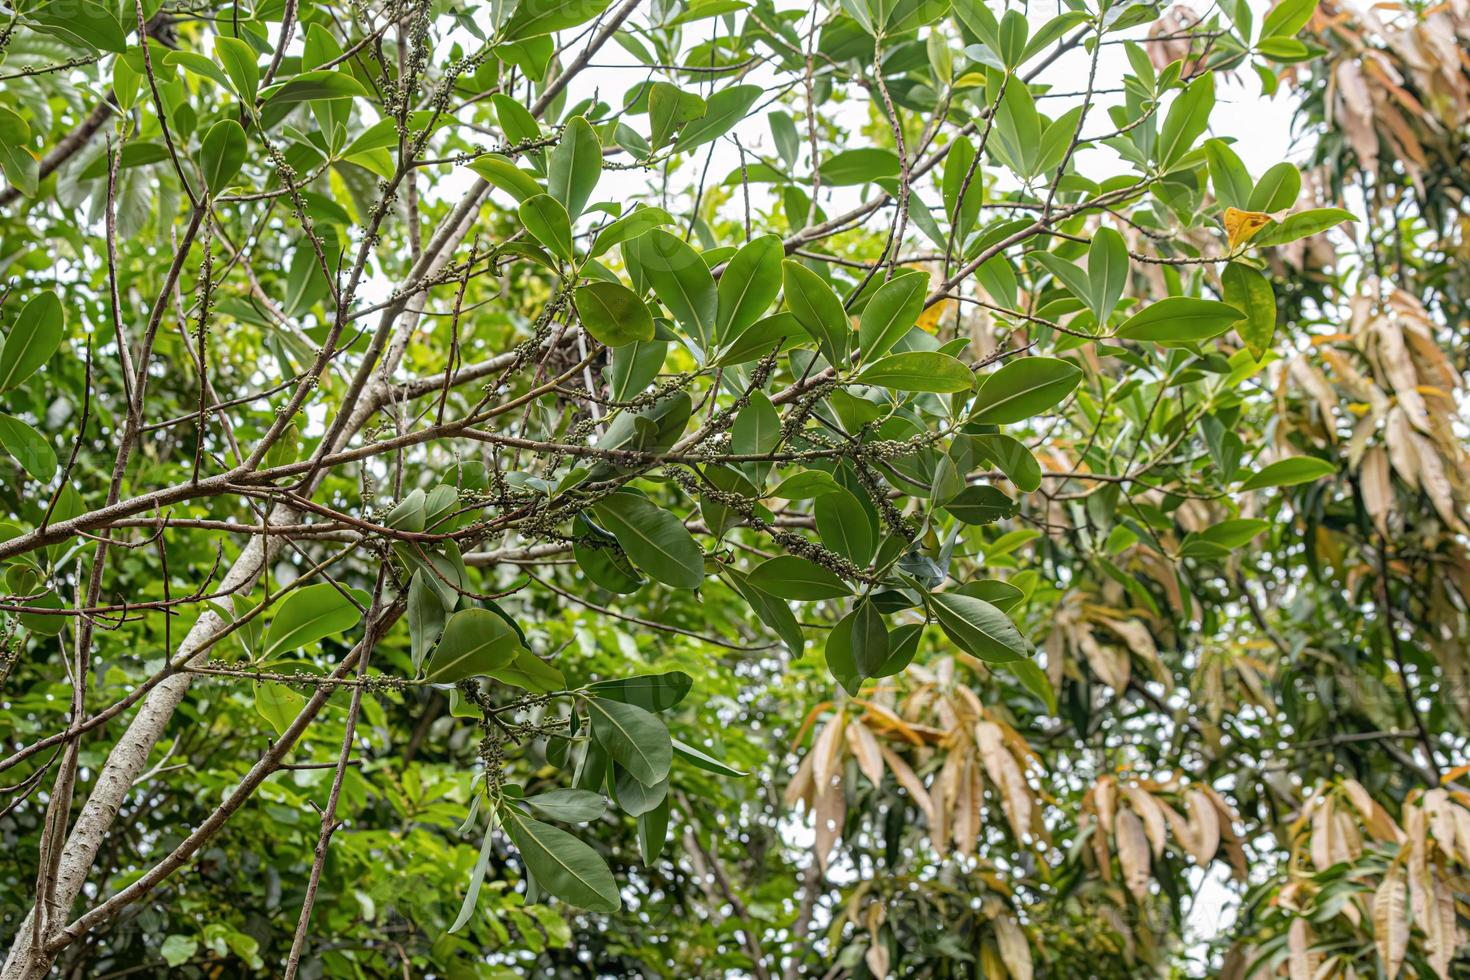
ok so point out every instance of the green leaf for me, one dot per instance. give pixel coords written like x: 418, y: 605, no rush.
x: 568, y: 805
x: 723, y: 110
x: 177, y: 950
x: 548, y: 222
x: 82, y: 24
x: 1179, y: 320
x: 918, y: 371
x: 530, y: 673
x: 573, y: 167
x: 1023, y: 388
x: 869, y: 639
x: 317, y: 86
x: 1034, y: 679
x: 790, y: 577
x: 475, y: 643
x: 221, y: 154
x: 1250, y: 292
x: 978, y: 628
x: 1300, y: 225
x: 651, y: 692
x: 1277, y: 189
x: 426, y: 617
x: 548, y: 16
x: 859, y: 166
x: 843, y: 526
x: 1009, y: 455
x: 1289, y: 472
x: 653, y: 538
x: 748, y: 287
x: 277, y: 704
x: 16, y: 159
x: 31, y: 342
x: 773, y: 612
x: 891, y: 313
x: 818, y: 310
x: 238, y: 59
x: 613, y: 314
x: 307, y: 615
x: 1186, y: 120
x: 701, y: 760
x: 681, y: 281
x: 806, y: 485
x: 1219, y: 540
x: 669, y: 108
x: 1107, y: 272
x: 563, y: 865
x: 500, y: 172
x: 27, y: 447
x: 629, y: 226
x: 1287, y: 17
x: 1232, y: 182
x: 633, y: 738
x: 980, y: 504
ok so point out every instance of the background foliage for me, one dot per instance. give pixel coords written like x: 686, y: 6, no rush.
x: 722, y: 488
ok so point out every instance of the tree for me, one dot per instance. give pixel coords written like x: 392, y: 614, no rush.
x: 722, y: 489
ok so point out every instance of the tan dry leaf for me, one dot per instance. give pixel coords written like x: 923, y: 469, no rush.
x: 1390, y: 923
x: 1376, y: 486
x: 1436, y: 482
x: 1152, y: 815
x: 909, y: 781
x: 1204, y: 825
x: 1015, y: 949
x: 830, y: 808
x: 827, y: 751
x: 1133, y: 846
x: 1301, y: 961
x: 1399, y: 437
x: 864, y: 748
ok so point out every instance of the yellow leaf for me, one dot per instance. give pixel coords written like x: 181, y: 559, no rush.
x: 1242, y: 226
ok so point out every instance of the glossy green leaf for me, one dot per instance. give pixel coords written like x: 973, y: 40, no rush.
x: 563, y: 865
x: 1023, y: 388
x: 574, y: 166
x: 307, y: 615
x: 790, y: 577
x: 1180, y: 320
x: 634, y: 738
x: 749, y: 286
x: 818, y: 310
x: 978, y: 628
x: 32, y: 340
x: 475, y: 643
x: 918, y: 371
x: 1250, y: 292
x: 547, y: 220
x: 613, y: 314
x: 1289, y: 472
x: 654, y: 539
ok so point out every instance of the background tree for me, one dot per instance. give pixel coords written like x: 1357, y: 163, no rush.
x: 701, y: 489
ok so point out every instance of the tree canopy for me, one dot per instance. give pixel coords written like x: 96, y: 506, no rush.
x: 719, y: 488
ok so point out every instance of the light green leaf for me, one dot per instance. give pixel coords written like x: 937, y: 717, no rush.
x: 1300, y: 225
x: 221, y: 154
x: 748, y: 287
x: 818, y: 310
x: 681, y: 281
x: 27, y: 447
x: 1250, y: 292
x: 548, y: 222
x: 891, y: 313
